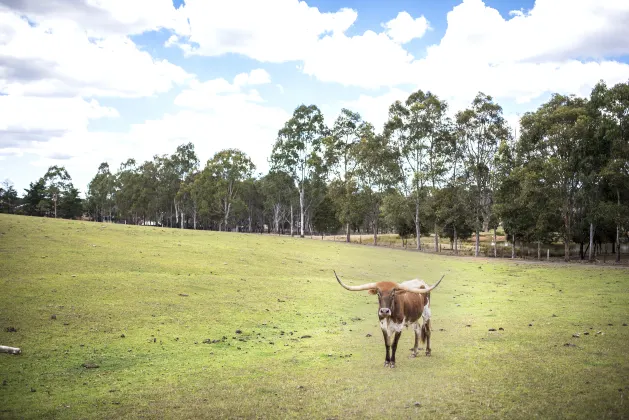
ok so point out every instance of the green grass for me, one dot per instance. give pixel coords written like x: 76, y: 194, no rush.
x: 103, y: 280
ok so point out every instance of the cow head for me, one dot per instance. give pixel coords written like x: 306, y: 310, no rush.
x: 387, y: 292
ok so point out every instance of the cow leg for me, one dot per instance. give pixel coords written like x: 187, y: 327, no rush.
x: 395, y: 340
x: 387, y: 360
x: 416, y: 329
x: 426, y: 335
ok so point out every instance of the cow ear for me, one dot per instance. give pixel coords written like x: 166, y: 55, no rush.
x: 373, y: 291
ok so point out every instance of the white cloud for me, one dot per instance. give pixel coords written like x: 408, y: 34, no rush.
x: 57, y: 58
x: 219, y: 93
x: 35, y: 125
x: 104, y: 17
x: 554, y: 30
x: 555, y: 47
x: 370, y: 61
x: 374, y: 109
x: 277, y: 31
x: 214, y: 115
x: 254, y: 77
x: 404, y: 28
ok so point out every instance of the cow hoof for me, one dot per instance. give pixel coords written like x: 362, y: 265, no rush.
x: 392, y: 365
x: 414, y: 354
x: 428, y: 353
x: 386, y: 364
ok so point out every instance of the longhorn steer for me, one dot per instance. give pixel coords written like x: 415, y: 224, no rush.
x: 400, y: 305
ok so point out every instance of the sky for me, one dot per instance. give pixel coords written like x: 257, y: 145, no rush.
x: 89, y: 81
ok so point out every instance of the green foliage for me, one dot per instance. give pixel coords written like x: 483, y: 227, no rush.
x: 565, y: 178
x: 325, y: 218
x: 9, y: 199
x: 298, y: 151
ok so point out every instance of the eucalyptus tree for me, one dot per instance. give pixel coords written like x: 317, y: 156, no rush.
x: 278, y: 190
x: 101, y: 192
x: 298, y: 150
x: 341, y: 160
x: 8, y: 197
x: 510, y: 204
x: 127, y: 182
x: 482, y: 126
x: 613, y: 106
x: 554, y: 137
x: 229, y: 168
x: 438, y: 132
x: 378, y: 171
x: 253, y: 203
x: 416, y: 128
x: 57, y: 181
x: 185, y: 163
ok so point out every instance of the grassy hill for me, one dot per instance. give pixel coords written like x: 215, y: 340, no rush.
x: 188, y: 324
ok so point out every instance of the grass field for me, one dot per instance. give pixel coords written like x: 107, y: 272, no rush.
x: 157, y: 310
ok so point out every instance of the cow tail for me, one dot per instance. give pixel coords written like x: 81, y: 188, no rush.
x: 425, y: 331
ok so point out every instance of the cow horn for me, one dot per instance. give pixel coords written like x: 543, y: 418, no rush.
x: 420, y: 291
x: 366, y: 286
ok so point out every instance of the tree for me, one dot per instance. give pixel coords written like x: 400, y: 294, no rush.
x: 35, y: 203
x: 341, y: 159
x: 57, y: 181
x: 229, y: 168
x: 482, y: 127
x: 297, y: 150
x: 612, y: 105
x: 378, y: 171
x: 8, y: 197
x: 417, y: 127
x: 71, y: 204
x: 100, y: 192
x: 553, y: 137
x: 278, y: 189
x: 324, y: 219
x: 398, y: 214
x: 185, y: 163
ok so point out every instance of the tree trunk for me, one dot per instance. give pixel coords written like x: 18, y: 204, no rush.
x: 375, y: 232
x: 194, y: 218
x: 347, y: 232
x: 495, y: 244
x: 292, y: 218
x: 477, y: 245
x: 436, y: 239
x: 566, y: 238
x: 513, y: 247
x: 456, y: 247
x: 227, y: 210
x: 301, y: 205
x: 617, y: 243
x: 590, y: 256
x: 539, y: 250
x: 417, y: 227
x: 618, y: 232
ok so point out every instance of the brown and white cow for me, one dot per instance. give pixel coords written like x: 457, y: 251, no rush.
x: 400, y: 305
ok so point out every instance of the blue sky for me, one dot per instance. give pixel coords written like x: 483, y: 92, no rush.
x: 80, y: 85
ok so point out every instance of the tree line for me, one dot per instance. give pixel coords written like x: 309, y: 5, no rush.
x: 565, y: 178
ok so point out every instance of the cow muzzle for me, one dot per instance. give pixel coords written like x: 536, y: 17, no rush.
x: 384, y: 312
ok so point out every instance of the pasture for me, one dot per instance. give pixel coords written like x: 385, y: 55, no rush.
x: 141, y: 322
